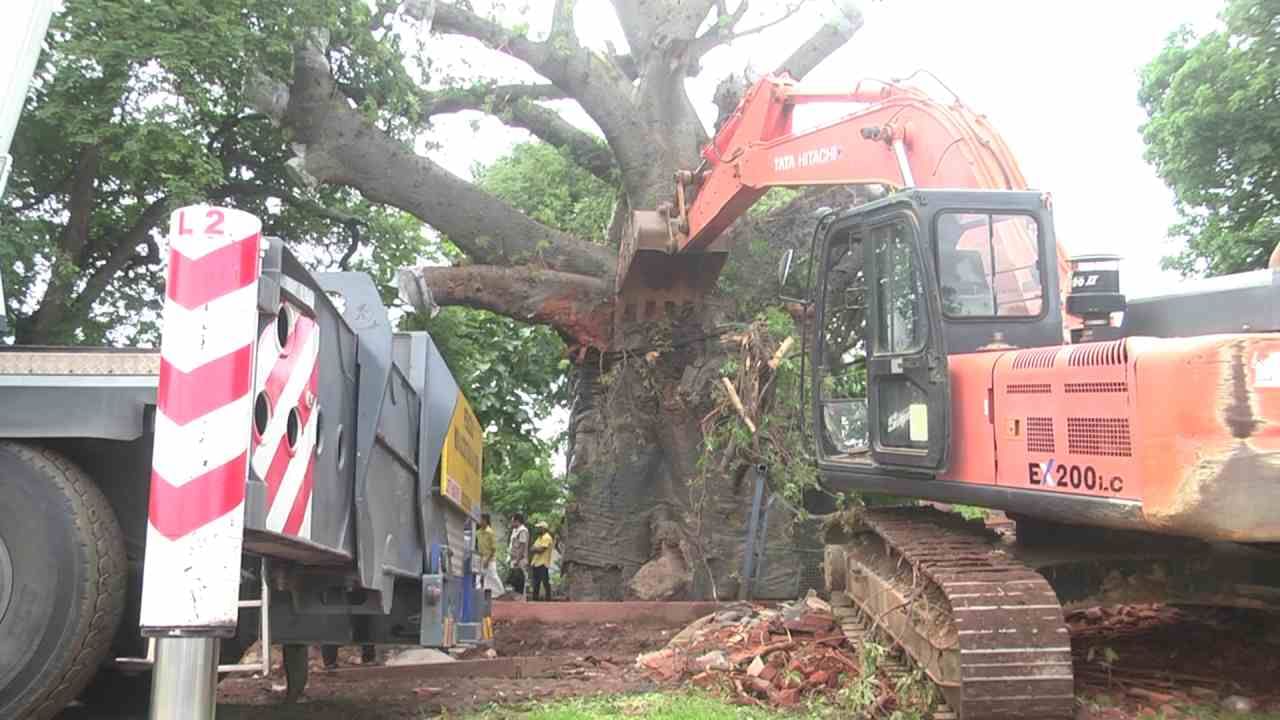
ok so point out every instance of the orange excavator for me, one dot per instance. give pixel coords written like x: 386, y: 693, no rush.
x: 959, y: 357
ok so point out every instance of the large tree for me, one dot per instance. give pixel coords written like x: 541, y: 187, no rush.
x: 137, y: 108
x: 1213, y: 134
x: 351, y: 104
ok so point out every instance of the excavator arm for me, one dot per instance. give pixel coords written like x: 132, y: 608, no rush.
x: 898, y: 137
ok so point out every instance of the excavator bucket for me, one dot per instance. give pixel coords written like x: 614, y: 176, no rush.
x: 654, y: 280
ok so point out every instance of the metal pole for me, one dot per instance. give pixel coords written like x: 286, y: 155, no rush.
x: 900, y: 151
x: 185, y: 679
x: 760, y: 548
x: 749, y: 547
x: 264, y: 619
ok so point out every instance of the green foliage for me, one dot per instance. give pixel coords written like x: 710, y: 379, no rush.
x: 782, y: 438
x: 1213, y: 134
x: 774, y: 199
x: 141, y: 105
x: 970, y: 512
x: 787, y: 426
x: 656, y: 706
x: 547, y: 186
x: 516, y: 374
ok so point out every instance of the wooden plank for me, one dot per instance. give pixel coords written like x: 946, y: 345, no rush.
x: 651, y: 613
x: 502, y: 667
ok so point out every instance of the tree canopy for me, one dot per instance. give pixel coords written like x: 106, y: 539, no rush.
x: 1213, y: 134
x: 137, y: 108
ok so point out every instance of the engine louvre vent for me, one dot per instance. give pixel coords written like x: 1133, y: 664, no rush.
x: 1105, y: 353
x: 1107, y: 437
x: 1040, y: 434
x: 1038, y: 359
x: 1028, y: 389
x: 1096, y: 387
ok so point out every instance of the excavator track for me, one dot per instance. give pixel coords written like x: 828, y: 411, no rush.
x: 987, y: 630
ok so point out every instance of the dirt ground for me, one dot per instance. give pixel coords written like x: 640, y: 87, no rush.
x: 1127, y: 658
x: 1129, y: 661
x: 603, y: 659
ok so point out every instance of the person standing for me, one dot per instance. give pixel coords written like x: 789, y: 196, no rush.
x: 517, y: 554
x: 487, y: 549
x: 540, y: 559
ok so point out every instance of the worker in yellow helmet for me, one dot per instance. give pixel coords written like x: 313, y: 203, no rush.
x: 540, y: 559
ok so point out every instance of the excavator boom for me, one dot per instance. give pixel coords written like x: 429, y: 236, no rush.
x: 896, y: 137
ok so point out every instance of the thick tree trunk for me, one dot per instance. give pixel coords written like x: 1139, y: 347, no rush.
x: 655, y: 513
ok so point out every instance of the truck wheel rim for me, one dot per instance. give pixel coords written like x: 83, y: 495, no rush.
x: 6, y: 578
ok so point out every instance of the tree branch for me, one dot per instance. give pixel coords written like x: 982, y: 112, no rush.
x: 74, y: 242
x: 513, y: 104
x: 245, y: 187
x: 829, y: 38
x: 480, y: 97
x: 721, y: 31
x: 603, y: 91
x: 577, y: 306
x: 562, y: 19
x: 648, y: 25
x: 339, y: 145
x: 123, y: 249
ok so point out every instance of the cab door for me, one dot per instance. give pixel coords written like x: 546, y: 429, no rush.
x: 908, y: 391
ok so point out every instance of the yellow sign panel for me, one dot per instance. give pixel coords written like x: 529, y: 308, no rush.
x: 460, y: 462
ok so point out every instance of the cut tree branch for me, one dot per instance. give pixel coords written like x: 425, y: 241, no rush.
x: 337, y: 144
x: 828, y: 38
x: 577, y: 306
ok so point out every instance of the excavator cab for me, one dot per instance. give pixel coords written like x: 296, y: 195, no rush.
x: 902, y: 282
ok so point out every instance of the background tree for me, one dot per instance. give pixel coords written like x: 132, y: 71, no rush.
x: 1213, y: 134
x: 515, y: 374
x: 137, y: 108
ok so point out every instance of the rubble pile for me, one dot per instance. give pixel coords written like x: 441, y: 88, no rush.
x: 762, y: 655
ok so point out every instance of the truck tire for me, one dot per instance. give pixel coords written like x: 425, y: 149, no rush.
x: 62, y: 580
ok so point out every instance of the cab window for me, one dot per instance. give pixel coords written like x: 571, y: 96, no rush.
x: 989, y: 265
x: 843, y: 372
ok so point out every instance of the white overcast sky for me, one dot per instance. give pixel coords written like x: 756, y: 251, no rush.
x: 1058, y: 79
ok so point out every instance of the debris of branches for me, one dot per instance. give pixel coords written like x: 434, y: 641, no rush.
x: 764, y: 656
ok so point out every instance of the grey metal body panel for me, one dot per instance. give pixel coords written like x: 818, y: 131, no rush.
x: 70, y: 392
x: 443, y: 523
x: 1244, y: 302
x: 406, y: 397
x: 332, y: 538
x: 364, y: 314
x: 108, y: 410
